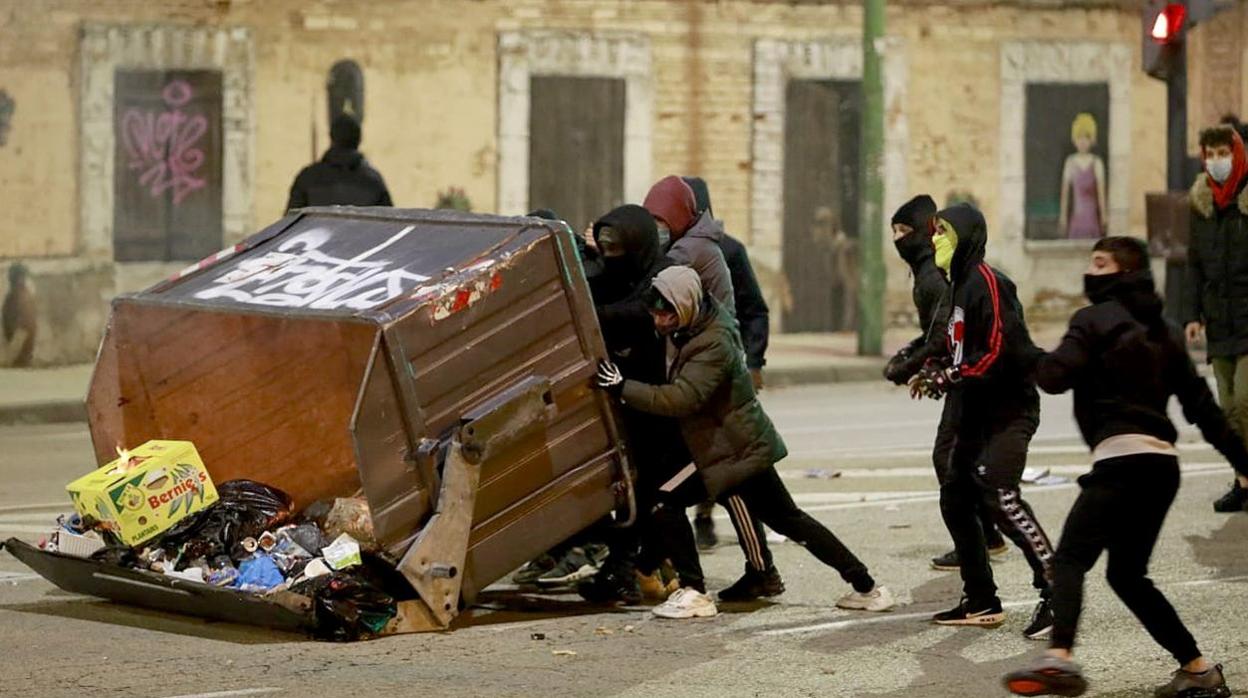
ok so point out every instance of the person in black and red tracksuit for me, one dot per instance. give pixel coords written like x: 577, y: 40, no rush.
x: 987, y: 377
x: 1124, y: 362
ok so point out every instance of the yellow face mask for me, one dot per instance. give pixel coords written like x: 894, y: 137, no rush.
x: 944, y: 241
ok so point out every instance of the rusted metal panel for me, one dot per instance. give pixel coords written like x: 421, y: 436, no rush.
x: 340, y: 350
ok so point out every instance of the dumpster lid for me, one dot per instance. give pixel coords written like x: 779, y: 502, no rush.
x: 343, y: 260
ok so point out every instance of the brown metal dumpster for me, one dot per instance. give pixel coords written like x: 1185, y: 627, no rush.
x: 437, y: 362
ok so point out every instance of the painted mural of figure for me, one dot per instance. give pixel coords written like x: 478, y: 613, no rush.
x: 7, y: 107
x: 18, y: 319
x: 1083, y: 211
x: 845, y: 276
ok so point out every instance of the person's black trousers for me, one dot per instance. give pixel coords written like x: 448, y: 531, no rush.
x: 769, y: 501
x: 942, y: 449
x: 1120, y: 509
x: 985, y: 468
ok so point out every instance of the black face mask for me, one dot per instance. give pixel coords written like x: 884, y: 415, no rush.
x: 1100, y: 287
x: 619, y: 267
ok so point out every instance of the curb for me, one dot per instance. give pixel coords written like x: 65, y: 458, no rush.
x: 49, y: 412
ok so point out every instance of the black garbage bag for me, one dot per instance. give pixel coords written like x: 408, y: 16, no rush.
x: 245, y: 509
x: 119, y: 555
x: 347, y: 607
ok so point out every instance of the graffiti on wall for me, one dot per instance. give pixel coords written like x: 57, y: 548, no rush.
x: 7, y: 107
x: 163, y: 146
x: 299, y: 275
x: 18, y: 319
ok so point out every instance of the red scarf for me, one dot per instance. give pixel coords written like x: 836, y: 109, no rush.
x: 1224, y: 193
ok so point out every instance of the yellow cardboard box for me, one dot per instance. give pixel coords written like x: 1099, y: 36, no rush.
x: 145, y: 491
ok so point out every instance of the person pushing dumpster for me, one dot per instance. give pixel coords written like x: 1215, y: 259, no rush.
x: 733, y: 442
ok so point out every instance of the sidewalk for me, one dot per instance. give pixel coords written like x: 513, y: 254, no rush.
x: 51, y: 395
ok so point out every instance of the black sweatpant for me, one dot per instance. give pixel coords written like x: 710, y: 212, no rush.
x: 1120, y: 509
x: 942, y: 449
x: 750, y: 534
x: 985, y: 468
x: 769, y: 501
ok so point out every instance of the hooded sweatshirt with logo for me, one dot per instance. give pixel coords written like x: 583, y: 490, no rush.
x: 695, y: 237
x: 986, y: 334
x: 1216, y: 290
x: 342, y: 178
x: 1124, y: 361
x: 709, y: 390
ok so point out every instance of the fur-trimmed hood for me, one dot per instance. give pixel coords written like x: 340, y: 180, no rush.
x: 1201, y: 195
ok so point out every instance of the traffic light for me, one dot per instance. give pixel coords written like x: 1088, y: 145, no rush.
x: 1165, y: 27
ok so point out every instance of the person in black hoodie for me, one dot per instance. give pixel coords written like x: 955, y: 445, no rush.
x: 986, y: 379
x: 1124, y: 362
x: 912, y: 238
x: 342, y: 177
x: 628, y: 242
x: 761, y: 579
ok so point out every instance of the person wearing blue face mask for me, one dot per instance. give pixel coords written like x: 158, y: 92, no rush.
x: 1124, y: 361
x: 1216, y: 290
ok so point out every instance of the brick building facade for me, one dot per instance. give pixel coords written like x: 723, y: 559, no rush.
x: 706, y: 86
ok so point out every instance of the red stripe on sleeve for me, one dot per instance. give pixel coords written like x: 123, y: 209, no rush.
x: 994, y: 338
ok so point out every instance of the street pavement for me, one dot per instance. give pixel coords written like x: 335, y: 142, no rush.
x: 859, y: 462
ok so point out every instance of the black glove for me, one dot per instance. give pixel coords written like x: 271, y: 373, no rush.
x: 609, y: 378
x: 898, y: 371
x: 934, y: 380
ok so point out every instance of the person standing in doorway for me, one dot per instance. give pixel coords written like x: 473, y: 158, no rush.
x: 1217, y: 280
x: 343, y: 177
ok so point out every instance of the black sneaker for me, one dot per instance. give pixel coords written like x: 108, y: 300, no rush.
x: 984, y: 615
x: 1184, y: 684
x: 573, y: 567
x: 612, y: 585
x: 1048, y: 676
x: 947, y: 562
x: 753, y: 585
x: 1041, y: 625
x: 704, y: 531
x: 1234, y: 500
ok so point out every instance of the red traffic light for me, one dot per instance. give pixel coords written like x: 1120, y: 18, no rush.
x: 1169, y: 23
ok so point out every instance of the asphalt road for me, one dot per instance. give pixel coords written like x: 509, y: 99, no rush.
x: 859, y: 463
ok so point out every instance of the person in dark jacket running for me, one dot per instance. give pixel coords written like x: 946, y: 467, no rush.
x: 342, y: 177
x: 761, y: 579
x: 733, y: 442
x: 1124, y: 362
x: 1217, y: 279
x: 986, y: 377
x: 912, y: 238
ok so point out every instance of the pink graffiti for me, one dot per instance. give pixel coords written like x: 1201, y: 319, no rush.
x: 161, y: 145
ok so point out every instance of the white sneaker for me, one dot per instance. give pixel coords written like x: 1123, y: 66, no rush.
x: 877, y: 600
x: 686, y: 603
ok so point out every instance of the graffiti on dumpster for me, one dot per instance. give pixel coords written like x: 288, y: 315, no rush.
x: 163, y: 146
x: 299, y: 275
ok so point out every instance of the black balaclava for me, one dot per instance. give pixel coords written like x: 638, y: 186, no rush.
x: 344, y: 132
x: 701, y: 195
x: 639, y: 237
x: 917, y: 213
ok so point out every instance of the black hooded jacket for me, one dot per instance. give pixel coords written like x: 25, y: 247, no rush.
x: 618, y: 294
x: 930, y: 289
x: 341, y: 178
x: 986, y: 335
x: 752, y: 313
x: 1124, y: 361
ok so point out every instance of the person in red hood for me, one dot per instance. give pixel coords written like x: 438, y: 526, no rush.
x: 1216, y: 290
x: 695, y: 237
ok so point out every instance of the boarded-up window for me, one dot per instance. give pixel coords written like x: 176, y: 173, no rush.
x: 167, y: 171
x: 576, y: 146
x: 821, y: 168
x: 1055, y: 112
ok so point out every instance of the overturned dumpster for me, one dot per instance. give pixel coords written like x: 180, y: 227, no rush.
x: 435, y: 363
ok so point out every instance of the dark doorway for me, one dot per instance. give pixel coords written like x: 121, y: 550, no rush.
x: 167, y: 165
x: 821, y: 166
x: 576, y: 146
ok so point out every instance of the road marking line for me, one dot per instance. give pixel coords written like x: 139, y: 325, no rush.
x: 927, y: 471
x: 920, y: 450
x: 892, y: 618
x: 239, y: 692
x: 18, y: 578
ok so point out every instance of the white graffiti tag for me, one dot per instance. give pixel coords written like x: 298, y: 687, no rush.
x: 299, y: 275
